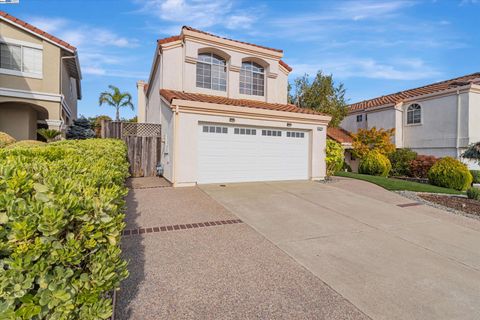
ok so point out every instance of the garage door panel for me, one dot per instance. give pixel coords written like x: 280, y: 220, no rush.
x: 230, y: 157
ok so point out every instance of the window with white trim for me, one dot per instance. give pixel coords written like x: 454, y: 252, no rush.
x: 214, y: 129
x: 252, y: 79
x: 211, y: 72
x: 414, y: 114
x: 19, y: 59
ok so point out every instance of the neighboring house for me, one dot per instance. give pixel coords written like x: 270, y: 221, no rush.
x: 344, y: 137
x: 223, y: 108
x: 39, y: 79
x: 440, y: 119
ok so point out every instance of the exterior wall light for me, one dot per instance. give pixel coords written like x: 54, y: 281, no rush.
x: 319, y: 128
x: 231, y: 119
x: 289, y: 124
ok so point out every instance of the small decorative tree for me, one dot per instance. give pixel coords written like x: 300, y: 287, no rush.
x: 81, y: 129
x: 473, y: 152
x: 366, y: 140
x: 334, y: 157
x: 49, y: 134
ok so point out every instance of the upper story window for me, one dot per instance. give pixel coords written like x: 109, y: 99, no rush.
x: 20, y: 59
x: 359, y: 118
x: 414, y: 114
x: 211, y: 72
x: 252, y: 79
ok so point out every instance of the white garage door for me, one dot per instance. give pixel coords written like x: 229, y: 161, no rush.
x: 241, y: 154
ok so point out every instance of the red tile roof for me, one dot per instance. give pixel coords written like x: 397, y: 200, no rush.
x: 169, y: 39
x: 339, y: 134
x: 198, y: 97
x: 213, y: 35
x: 37, y: 31
x: 395, y: 98
x: 286, y: 66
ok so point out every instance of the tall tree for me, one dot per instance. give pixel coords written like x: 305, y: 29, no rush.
x: 322, y: 94
x: 116, y: 99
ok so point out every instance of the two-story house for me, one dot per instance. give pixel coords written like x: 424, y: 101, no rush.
x: 439, y: 119
x: 223, y: 108
x: 39, y: 79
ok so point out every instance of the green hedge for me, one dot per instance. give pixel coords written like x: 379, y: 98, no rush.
x: 375, y: 164
x: 473, y: 193
x: 61, y: 217
x: 450, y: 173
x: 476, y: 175
x: 401, y: 160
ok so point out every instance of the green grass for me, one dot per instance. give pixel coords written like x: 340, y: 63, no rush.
x: 397, y: 184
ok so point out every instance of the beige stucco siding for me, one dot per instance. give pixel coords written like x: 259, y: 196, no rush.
x: 51, y: 68
x: 474, y: 117
x: 19, y: 121
x: 69, y: 90
x: 167, y: 121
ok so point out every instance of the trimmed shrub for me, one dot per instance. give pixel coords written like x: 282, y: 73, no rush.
x: 26, y: 144
x: 6, y: 139
x: 61, y: 216
x: 475, y: 175
x: 334, y: 157
x: 421, y: 165
x: 473, y: 193
x: 81, y: 129
x: 375, y: 164
x: 400, y: 160
x: 450, y: 173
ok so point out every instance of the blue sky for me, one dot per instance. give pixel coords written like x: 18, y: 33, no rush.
x: 373, y: 47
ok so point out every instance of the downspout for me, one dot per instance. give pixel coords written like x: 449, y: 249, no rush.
x: 174, y: 149
x: 457, y: 142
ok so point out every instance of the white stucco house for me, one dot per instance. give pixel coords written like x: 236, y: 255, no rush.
x: 223, y: 108
x: 439, y: 119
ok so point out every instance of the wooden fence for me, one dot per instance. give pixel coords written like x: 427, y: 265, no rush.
x: 143, y: 141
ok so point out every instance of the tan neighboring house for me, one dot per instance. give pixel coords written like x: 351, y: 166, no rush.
x: 223, y: 108
x: 39, y: 79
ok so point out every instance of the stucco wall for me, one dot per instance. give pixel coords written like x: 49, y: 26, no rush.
x: 69, y: 90
x: 167, y: 121
x: 152, y: 112
x: 474, y: 117
x: 51, y: 67
x: 186, y: 144
x: 179, y: 71
x: 19, y: 121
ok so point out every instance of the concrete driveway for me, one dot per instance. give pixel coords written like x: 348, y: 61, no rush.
x: 393, y: 259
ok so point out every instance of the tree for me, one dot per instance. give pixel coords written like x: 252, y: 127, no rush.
x: 334, y: 157
x: 116, y: 99
x: 321, y: 94
x: 366, y: 140
x: 473, y: 152
x: 49, y: 134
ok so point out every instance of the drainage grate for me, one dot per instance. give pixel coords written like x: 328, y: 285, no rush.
x: 176, y: 227
x: 413, y: 204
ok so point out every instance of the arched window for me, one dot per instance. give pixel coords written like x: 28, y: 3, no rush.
x: 211, y: 72
x: 252, y: 79
x: 414, y: 114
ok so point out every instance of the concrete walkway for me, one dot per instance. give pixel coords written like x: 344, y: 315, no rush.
x: 211, y: 266
x: 392, y: 262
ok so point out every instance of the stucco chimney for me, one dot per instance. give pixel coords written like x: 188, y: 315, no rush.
x: 141, y: 101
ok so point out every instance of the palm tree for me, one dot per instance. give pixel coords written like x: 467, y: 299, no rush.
x: 49, y: 134
x: 116, y: 99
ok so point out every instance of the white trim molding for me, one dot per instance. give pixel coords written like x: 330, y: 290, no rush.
x: 34, y: 95
x: 21, y: 73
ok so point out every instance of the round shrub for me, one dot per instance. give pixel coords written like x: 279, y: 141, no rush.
x: 26, y: 144
x: 420, y: 166
x: 334, y: 157
x: 375, y: 164
x: 473, y: 193
x: 6, y: 139
x: 450, y: 173
x: 476, y: 175
x: 400, y: 160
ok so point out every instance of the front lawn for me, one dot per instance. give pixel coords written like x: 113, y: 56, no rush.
x: 397, y: 184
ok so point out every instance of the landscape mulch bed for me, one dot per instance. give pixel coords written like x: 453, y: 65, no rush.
x: 458, y: 203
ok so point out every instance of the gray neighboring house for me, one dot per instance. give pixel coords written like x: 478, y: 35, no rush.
x: 439, y: 119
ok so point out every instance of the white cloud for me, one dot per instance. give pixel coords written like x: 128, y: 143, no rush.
x: 396, y: 69
x: 197, y: 13
x: 96, y: 45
